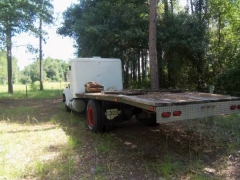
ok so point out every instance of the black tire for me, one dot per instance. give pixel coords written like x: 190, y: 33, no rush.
x: 94, y: 116
x: 151, y: 121
x: 67, y: 108
x: 64, y: 101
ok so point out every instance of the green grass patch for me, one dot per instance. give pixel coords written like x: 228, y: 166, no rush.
x: 224, y: 130
x: 20, y: 157
x: 165, y: 168
x: 106, y: 143
x: 40, y: 151
x: 39, y: 140
x: 51, y: 90
x: 18, y: 114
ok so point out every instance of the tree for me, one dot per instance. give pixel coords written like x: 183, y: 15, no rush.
x: 224, y: 44
x: 191, y: 46
x: 45, y: 16
x: 15, y: 17
x: 99, y: 29
x: 54, y: 70
x: 3, y: 69
x: 152, y: 45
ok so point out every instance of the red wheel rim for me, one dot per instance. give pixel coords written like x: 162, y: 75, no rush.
x: 90, y: 116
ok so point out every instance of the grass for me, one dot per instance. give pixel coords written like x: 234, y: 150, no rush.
x: 20, y: 156
x: 53, y: 144
x: 29, y: 150
x: 105, y: 144
x: 165, y: 168
x: 14, y: 114
x: 51, y: 90
x: 30, y: 147
x: 220, y: 129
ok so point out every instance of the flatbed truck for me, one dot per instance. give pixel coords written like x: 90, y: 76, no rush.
x: 108, y: 103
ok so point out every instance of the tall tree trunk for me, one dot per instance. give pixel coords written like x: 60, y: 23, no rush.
x: 219, y: 29
x: 200, y: 64
x: 126, y: 77
x: 191, y: 4
x: 134, y: 69
x: 40, y: 54
x: 143, y: 64
x: 219, y: 40
x: 139, y: 65
x: 9, y: 60
x: 165, y: 6
x: 131, y: 74
x: 200, y: 9
x: 171, y: 2
x: 125, y: 69
x: 146, y: 61
x: 153, y: 45
x: 160, y: 68
x: 170, y: 69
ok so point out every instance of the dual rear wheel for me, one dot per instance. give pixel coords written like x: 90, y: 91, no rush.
x: 94, y: 116
x: 96, y: 121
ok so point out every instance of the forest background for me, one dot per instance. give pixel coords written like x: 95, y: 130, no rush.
x: 198, y: 45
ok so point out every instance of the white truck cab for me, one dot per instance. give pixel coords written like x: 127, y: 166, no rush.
x: 105, y: 71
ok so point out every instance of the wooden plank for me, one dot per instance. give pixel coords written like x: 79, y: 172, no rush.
x: 125, y: 92
x: 209, y: 97
x: 159, y: 99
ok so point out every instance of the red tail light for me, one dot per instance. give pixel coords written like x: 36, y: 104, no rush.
x: 166, y: 114
x: 177, y: 113
x: 233, y: 107
x: 151, y: 108
x: 238, y: 106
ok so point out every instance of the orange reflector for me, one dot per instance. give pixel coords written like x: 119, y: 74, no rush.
x: 233, y: 107
x: 166, y: 114
x: 151, y: 108
x: 238, y: 106
x: 116, y: 100
x: 177, y: 113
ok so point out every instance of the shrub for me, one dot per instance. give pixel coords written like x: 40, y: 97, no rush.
x: 35, y: 86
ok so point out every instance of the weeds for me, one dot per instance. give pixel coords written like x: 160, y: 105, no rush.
x: 99, y: 169
x: 20, y: 157
x: 199, y: 177
x: 109, y: 167
x: 54, y: 144
x: 74, y: 142
x: 51, y: 90
x: 165, y: 168
x: 106, y: 144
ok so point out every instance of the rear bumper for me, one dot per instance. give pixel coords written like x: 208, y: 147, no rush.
x: 196, y: 111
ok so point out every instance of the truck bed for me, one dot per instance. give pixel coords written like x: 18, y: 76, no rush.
x: 144, y: 99
x: 172, y: 106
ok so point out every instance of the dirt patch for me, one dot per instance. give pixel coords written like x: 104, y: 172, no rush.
x: 131, y: 150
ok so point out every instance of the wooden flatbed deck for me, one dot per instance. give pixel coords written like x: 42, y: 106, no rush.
x: 144, y: 99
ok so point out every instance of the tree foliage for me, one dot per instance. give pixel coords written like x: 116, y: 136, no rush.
x: 45, y: 17
x: 3, y: 69
x: 17, y: 16
x: 53, y: 70
x: 196, y: 46
x: 110, y: 29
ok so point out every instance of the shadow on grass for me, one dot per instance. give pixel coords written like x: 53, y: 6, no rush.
x: 172, y: 150
x: 181, y: 150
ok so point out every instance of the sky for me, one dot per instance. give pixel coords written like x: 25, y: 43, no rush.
x: 57, y: 47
